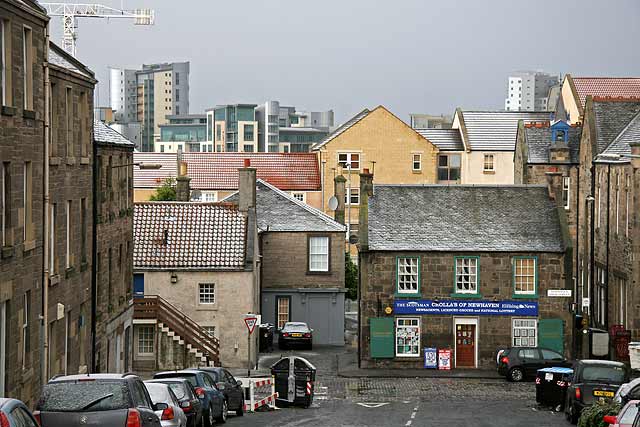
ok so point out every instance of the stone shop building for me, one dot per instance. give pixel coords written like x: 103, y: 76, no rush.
x: 471, y: 269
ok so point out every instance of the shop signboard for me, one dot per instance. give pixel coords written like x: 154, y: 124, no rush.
x: 431, y: 358
x: 444, y: 359
x: 466, y: 307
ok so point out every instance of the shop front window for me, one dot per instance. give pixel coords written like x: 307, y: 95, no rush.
x: 525, y: 333
x: 408, y: 337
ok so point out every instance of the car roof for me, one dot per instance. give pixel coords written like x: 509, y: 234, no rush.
x: 86, y: 377
x: 296, y: 324
x: 182, y: 371
x: 9, y: 403
x: 169, y: 380
x: 601, y: 362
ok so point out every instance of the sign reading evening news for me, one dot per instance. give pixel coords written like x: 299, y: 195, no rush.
x: 464, y: 307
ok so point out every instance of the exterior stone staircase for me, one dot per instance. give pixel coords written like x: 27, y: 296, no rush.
x: 183, y: 343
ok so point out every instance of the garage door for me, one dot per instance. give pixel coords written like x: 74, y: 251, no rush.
x: 319, y: 319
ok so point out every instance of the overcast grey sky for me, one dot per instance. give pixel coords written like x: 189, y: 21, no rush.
x: 409, y: 55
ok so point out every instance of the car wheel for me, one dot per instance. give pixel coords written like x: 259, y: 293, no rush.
x: 225, y: 411
x: 571, y: 413
x: 515, y: 375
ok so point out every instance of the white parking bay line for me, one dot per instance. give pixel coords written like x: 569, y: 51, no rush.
x: 413, y: 416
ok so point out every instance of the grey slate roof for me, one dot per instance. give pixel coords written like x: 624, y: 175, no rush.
x: 342, y: 128
x: 612, y: 118
x: 496, y: 130
x: 199, y: 236
x: 620, y: 145
x: 539, y: 144
x: 444, y: 139
x: 462, y: 218
x: 60, y: 58
x: 278, y: 211
x: 104, y: 134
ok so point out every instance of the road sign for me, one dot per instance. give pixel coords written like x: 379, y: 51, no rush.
x: 251, y: 323
x: 585, y: 302
x: 559, y: 292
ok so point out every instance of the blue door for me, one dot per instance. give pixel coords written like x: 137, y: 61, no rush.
x: 138, y: 285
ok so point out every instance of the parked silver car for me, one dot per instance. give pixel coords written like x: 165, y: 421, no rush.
x: 167, y: 405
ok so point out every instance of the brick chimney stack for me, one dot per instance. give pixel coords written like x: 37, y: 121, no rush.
x: 340, y: 193
x: 183, y: 182
x: 246, y: 187
x: 366, y: 191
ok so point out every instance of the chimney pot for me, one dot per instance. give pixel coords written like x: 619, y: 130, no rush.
x: 247, y: 163
x: 365, y: 170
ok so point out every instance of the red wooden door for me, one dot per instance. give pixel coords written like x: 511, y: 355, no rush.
x: 465, y: 346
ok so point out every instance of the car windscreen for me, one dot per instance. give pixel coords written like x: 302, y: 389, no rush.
x: 84, y: 396
x: 296, y: 327
x: 629, y: 415
x: 189, y: 377
x: 179, y: 389
x: 158, y: 393
x: 604, y: 374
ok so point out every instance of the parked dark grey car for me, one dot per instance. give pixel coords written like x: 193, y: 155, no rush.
x: 109, y: 400
x: 230, y: 387
x: 189, y: 402
x: 14, y: 413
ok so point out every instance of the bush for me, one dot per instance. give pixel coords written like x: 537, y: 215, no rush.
x: 592, y: 415
x: 166, y: 192
x: 350, y: 277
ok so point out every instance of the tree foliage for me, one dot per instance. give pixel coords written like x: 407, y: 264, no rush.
x: 350, y: 277
x: 592, y: 416
x: 166, y: 192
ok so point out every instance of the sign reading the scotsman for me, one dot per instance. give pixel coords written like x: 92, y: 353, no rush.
x: 479, y: 308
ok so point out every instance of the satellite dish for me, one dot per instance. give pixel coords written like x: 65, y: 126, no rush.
x: 353, y: 239
x: 333, y: 203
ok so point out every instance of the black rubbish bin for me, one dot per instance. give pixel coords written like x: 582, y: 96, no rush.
x: 551, y: 386
x: 295, y: 379
x: 266, y: 337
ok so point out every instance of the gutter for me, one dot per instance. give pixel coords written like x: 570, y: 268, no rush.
x: 44, y: 363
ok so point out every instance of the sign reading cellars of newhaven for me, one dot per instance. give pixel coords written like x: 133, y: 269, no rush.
x: 478, y: 308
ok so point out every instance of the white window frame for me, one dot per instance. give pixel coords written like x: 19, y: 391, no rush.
x: 355, y: 194
x: 68, y: 236
x: 279, y: 311
x: 206, y: 293
x: 408, y: 275
x: 145, y: 340
x: 522, y: 326
x: 3, y: 65
x: 416, y: 158
x: 519, y: 263
x: 25, y: 327
x: 314, y: 251
x: 566, y: 191
x: 413, y: 328
x: 209, y: 196
x: 349, y: 159
x: 489, y: 159
x: 27, y: 80
x: 299, y: 196
x: 472, y: 263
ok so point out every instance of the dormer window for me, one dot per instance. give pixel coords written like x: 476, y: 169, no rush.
x: 560, y: 136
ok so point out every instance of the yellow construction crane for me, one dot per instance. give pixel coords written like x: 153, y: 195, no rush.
x: 70, y: 12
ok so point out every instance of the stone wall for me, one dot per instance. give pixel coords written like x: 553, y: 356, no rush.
x: 114, y: 251
x: 285, y: 258
x: 378, y: 285
x: 22, y: 140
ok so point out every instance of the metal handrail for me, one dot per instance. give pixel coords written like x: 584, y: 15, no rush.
x: 156, y: 307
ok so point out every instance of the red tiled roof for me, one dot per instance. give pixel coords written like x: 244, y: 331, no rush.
x: 171, y: 235
x: 219, y: 171
x: 615, y: 87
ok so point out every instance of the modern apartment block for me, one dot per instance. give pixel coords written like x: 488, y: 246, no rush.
x: 529, y: 90
x: 428, y: 121
x: 141, y: 99
x: 185, y: 132
x: 276, y: 128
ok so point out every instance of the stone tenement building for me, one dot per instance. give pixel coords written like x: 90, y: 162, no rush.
x: 22, y: 26
x: 468, y: 269
x: 609, y: 231
x: 70, y: 220
x: 113, y: 251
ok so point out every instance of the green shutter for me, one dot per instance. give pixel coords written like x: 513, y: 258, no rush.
x: 551, y: 334
x: 382, y: 338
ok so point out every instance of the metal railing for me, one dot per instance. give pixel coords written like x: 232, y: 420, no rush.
x: 157, y: 308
